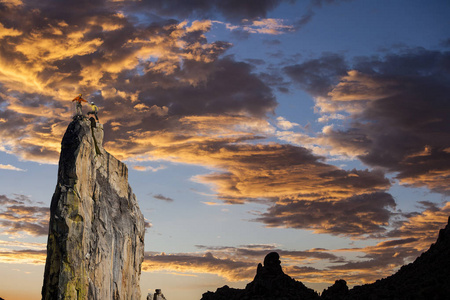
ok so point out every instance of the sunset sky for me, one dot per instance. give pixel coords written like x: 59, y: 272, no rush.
x: 319, y: 129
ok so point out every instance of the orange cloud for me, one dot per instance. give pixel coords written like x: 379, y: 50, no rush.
x: 34, y: 257
x: 18, y: 217
x: 8, y: 31
x: 357, y: 86
x: 192, y: 264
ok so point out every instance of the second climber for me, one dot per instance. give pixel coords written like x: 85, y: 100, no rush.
x: 94, y: 110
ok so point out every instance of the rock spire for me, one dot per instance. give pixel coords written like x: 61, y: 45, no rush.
x: 270, y: 283
x: 96, y: 237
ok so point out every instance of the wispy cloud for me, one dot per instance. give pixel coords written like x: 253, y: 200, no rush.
x: 10, y: 167
x: 195, y: 263
x: 149, y: 168
x: 17, y: 217
x: 163, y: 198
x: 261, y: 26
x: 35, y: 257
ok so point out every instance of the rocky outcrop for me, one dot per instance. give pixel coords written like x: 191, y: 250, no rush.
x: 96, y: 237
x: 269, y: 283
x: 338, y: 291
x: 428, y: 277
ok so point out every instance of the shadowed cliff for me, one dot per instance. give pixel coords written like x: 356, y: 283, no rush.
x: 96, y: 236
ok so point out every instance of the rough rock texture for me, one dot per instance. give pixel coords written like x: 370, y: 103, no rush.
x: 428, y: 277
x: 269, y: 283
x: 96, y: 237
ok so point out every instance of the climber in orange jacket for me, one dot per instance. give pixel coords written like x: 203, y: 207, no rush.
x: 79, y: 100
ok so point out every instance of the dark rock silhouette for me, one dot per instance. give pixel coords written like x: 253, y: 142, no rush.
x: 428, y: 277
x: 338, y: 291
x: 269, y: 283
x: 96, y: 235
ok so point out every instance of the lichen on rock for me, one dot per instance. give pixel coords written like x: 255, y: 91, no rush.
x: 96, y: 237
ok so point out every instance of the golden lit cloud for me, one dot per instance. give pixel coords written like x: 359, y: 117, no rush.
x: 149, y: 168
x: 8, y: 31
x: 34, y: 257
x: 11, y: 3
x: 27, y: 245
x: 195, y: 264
x: 357, y: 86
x: 10, y: 167
x: 18, y: 217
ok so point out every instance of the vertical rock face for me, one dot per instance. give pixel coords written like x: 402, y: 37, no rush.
x: 96, y: 237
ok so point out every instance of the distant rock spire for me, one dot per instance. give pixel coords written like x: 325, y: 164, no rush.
x: 95, y: 244
x: 270, y: 283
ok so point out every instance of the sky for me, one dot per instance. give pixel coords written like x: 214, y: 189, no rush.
x: 319, y: 129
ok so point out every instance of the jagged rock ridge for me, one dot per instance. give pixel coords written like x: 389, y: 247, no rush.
x: 96, y: 237
x: 428, y: 278
x: 270, y: 283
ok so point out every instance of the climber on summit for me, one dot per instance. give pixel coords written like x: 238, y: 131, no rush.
x: 79, y: 99
x: 94, y: 110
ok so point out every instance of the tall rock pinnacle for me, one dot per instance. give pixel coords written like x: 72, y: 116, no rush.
x: 96, y: 237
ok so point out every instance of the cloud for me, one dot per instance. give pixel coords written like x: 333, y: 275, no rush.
x: 161, y: 72
x: 246, y: 171
x: 164, y: 93
x: 354, y: 216
x: 231, y: 9
x: 425, y: 225
x: 358, y: 265
x: 317, y: 76
x: 261, y: 26
x: 27, y: 245
x: 395, y: 110
x: 34, y: 257
x: 192, y: 263
x: 232, y: 263
x: 149, y: 168
x: 285, y: 124
x: 265, y: 171
x: 17, y: 217
x: 18, y: 199
x: 10, y: 167
x: 163, y: 198
x: 8, y: 31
